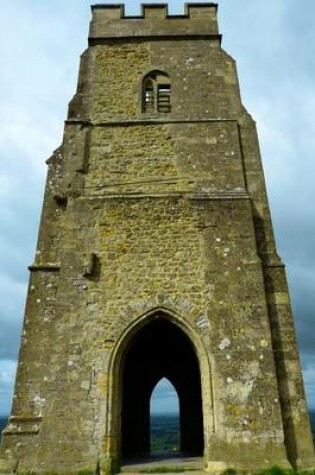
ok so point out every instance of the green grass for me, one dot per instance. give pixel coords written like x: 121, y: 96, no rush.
x: 163, y: 469
x: 281, y: 471
x: 80, y: 472
x: 175, y: 469
x: 272, y: 471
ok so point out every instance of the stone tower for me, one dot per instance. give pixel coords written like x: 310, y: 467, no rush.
x: 156, y: 258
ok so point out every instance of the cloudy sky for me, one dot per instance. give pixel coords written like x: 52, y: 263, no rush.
x: 40, y: 43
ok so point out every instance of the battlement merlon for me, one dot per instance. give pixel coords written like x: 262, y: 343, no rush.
x: 110, y: 21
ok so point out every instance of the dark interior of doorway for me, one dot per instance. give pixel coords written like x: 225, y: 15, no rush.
x: 160, y: 349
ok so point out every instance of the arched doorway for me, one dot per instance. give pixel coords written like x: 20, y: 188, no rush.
x: 160, y: 349
x: 164, y: 420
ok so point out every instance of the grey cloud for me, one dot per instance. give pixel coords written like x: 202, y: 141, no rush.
x: 7, y: 373
x: 11, y: 313
x: 10, y: 338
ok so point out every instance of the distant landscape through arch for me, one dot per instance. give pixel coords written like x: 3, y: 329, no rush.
x: 164, y: 419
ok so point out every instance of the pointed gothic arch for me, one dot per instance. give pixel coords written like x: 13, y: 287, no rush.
x: 128, y: 431
x: 165, y: 387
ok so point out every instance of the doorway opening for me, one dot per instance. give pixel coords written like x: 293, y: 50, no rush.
x: 160, y: 349
x: 164, y: 419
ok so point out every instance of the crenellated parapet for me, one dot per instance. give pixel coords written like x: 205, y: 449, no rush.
x: 110, y: 21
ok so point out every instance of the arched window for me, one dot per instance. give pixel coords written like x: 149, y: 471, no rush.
x: 156, y: 93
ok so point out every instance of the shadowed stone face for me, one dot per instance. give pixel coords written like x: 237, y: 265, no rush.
x: 156, y: 258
